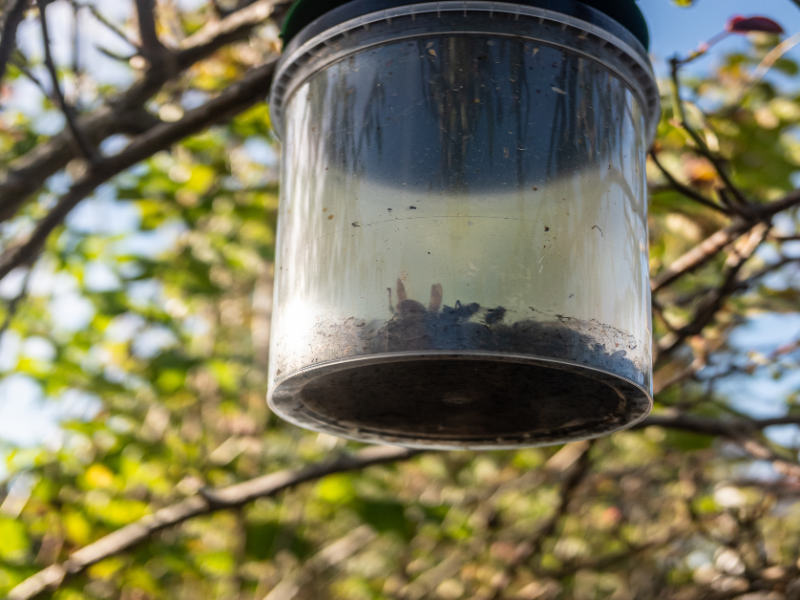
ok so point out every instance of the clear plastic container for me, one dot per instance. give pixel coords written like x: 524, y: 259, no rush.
x: 462, y: 255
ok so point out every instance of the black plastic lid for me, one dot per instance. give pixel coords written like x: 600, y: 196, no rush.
x: 304, y: 12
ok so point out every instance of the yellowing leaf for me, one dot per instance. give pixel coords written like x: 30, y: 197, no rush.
x: 14, y: 543
x: 336, y: 489
x: 201, y: 179
x: 99, y: 476
x: 106, y: 569
x: 77, y: 528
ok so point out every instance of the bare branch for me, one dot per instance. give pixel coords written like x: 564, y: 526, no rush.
x: 230, y: 497
x: 232, y: 101
x: 738, y: 431
x: 8, y: 41
x: 700, y: 254
x: 152, y: 48
x: 69, y: 112
x: 125, y: 113
x: 231, y: 29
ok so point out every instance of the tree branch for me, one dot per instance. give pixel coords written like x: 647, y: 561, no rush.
x: 738, y: 431
x: 233, y: 28
x: 8, y: 41
x: 78, y: 136
x: 711, y: 246
x: 684, y: 189
x: 700, y: 254
x: 715, y: 300
x: 152, y: 48
x: 125, y: 113
x: 270, y: 485
x: 230, y: 497
x: 232, y: 101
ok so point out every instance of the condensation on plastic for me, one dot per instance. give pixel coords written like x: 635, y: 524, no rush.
x: 462, y: 246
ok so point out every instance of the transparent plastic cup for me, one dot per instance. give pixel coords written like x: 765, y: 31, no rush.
x: 462, y: 256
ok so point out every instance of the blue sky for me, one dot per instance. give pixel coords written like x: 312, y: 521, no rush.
x: 680, y: 30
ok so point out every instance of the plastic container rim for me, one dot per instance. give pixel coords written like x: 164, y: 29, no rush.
x: 296, y: 56
x: 361, y: 435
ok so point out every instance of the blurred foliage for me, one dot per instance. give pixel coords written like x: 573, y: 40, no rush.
x: 169, y: 341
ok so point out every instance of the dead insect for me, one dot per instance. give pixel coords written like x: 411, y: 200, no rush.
x: 405, y: 306
x: 495, y: 315
x: 460, y: 312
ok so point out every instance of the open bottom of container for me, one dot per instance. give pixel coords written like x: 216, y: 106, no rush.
x: 459, y: 400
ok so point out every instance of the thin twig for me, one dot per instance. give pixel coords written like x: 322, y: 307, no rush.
x: 68, y: 110
x: 29, y: 74
x: 743, y: 284
x: 123, y: 58
x: 769, y: 61
x: 108, y: 24
x: 14, y: 16
x: 701, y: 145
x: 686, y: 190
x: 226, y: 498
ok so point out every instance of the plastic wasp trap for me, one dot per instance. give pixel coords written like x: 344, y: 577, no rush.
x: 462, y: 254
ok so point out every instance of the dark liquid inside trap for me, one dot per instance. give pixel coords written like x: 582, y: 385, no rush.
x: 466, y: 400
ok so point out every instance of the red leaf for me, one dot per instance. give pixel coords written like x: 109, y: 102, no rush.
x: 740, y: 24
